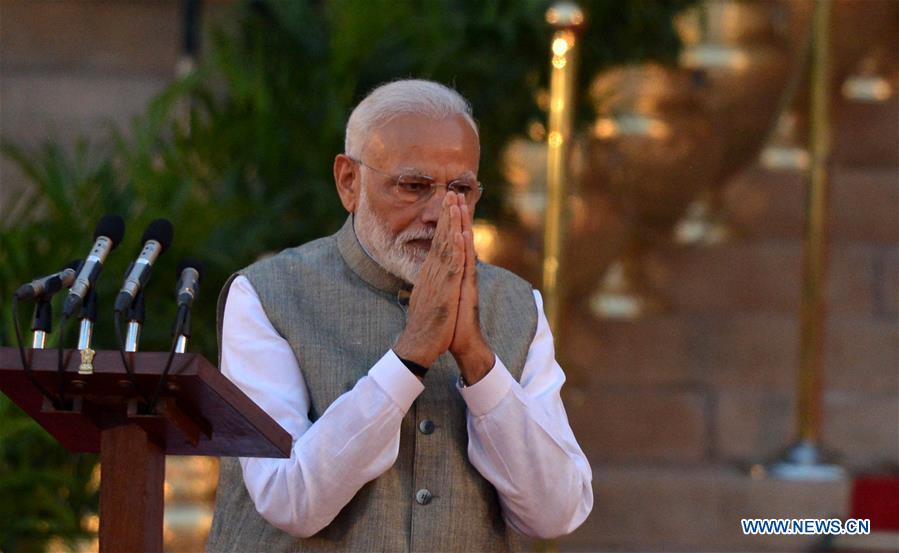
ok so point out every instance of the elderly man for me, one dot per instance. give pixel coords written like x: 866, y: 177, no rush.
x: 422, y: 421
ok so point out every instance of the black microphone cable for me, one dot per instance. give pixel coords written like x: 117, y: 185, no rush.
x: 88, y: 319
x: 180, y: 320
x: 190, y: 273
x: 26, y: 366
x: 41, y: 322
x: 184, y: 334
x: 63, y: 331
x: 60, y: 367
x: 137, y: 311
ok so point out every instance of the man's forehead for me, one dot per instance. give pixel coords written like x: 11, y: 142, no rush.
x: 412, y: 131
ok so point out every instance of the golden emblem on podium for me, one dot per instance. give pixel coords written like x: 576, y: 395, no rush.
x: 87, y: 361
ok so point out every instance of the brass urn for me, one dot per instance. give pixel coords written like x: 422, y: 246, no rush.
x: 650, y: 152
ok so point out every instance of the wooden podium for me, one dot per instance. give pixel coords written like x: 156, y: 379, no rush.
x: 200, y: 412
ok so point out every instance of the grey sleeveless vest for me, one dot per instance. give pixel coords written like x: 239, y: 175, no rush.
x: 340, y: 312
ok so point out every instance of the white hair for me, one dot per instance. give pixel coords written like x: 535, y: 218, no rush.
x: 416, y: 96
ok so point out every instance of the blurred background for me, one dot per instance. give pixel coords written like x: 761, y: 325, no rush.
x: 681, y: 282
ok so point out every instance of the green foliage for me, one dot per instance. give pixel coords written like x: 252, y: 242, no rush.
x: 45, y: 490
x: 238, y: 155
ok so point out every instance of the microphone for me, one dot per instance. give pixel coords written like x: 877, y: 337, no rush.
x: 50, y: 284
x: 156, y: 239
x: 42, y: 321
x: 86, y: 333
x: 136, y: 312
x: 190, y: 273
x: 107, y: 235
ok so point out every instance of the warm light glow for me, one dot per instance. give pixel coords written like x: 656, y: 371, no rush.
x: 561, y: 46
x: 486, y: 240
x: 689, y: 26
x: 605, y: 128
x: 578, y: 211
x: 559, y: 62
x: 631, y: 125
x: 785, y: 158
x: 189, y: 491
x: 537, y: 131
x: 555, y: 139
x: 565, y: 14
x: 558, y: 104
x: 91, y: 523
x: 550, y: 265
x: 715, y: 56
x: 867, y: 89
x: 658, y: 129
x: 757, y: 472
x: 517, y: 176
x: 94, y: 483
x: 542, y: 99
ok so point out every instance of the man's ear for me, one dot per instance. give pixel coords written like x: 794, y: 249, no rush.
x: 346, y: 173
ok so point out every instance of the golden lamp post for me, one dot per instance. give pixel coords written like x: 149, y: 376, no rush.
x: 805, y: 460
x: 566, y: 18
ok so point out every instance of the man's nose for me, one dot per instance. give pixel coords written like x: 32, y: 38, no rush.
x: 433, y: 206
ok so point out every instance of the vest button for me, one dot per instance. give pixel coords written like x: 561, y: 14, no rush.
x: 423, y: 496
x: 426, y: 426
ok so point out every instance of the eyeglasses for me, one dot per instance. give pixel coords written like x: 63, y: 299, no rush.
x: 413, y: 188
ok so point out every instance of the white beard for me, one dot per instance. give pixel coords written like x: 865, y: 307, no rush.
x: 393, y: 253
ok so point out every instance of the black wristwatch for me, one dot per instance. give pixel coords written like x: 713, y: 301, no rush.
x: 417, y: 370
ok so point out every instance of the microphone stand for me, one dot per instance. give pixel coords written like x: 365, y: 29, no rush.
x: 181, y: 343
x: 86, y: 333
x: 56, y: 401
x: 136, y: 315
x: 181, y: 333
x: 41, y: 323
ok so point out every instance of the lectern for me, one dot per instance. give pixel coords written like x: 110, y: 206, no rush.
x: 200, y: 412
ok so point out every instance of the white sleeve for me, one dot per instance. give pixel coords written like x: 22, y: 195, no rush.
x: 519, y: 439
x: 354, y: 441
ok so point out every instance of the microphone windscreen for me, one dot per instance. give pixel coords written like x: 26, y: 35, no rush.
x: 191, y: 262
x: 111, y: 226
x: 160, y: 230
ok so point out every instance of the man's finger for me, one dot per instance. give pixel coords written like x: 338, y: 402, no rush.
x: 455, y: 232
x: 466, y: 216
x: 470, y: 257
x: 442, y: 243
x: 442, y: 223
x: 458, y: 254
x: 468, y: 295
